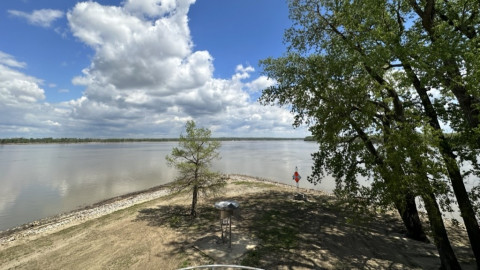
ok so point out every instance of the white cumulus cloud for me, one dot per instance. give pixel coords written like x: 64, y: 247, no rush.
x: 155, y: 8
x: 145, y: 80
x: 22, y: 105
x: 42, y: 17
x: 15, y: 87
x: 10, y: 61
x: 261, y: 83
x: 145, y: 74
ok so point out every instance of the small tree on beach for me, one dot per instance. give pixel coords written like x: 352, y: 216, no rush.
x: 192, y: 158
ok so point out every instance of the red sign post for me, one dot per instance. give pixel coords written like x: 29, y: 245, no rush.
x: 296, y: 176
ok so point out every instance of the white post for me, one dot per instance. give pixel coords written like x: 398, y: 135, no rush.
x: 296, y: 176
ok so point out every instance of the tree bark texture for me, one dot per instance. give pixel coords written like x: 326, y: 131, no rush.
x: 440, y: 237
x: 193, y: 211
x: 409, y: 214
x: 407, y: 208
x: 461, y: 194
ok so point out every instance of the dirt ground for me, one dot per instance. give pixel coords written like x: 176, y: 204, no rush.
x: 276, y: 231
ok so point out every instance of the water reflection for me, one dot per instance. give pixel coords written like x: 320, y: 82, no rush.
x: 275, y: 160
x: 44, y: 180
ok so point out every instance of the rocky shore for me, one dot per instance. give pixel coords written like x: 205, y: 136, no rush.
x: 56, y: 223
x: 61, y: 221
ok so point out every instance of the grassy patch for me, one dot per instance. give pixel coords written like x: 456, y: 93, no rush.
x: 253, y: 184
x: 122, y: 262
x: 25, y: 249
x: 277, y: 232
x: 15, y: 252
x: 178, y: 216
x: 185, y: 263
x: 253, y: 257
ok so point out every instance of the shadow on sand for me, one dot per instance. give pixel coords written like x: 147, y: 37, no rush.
x: 315, y: 234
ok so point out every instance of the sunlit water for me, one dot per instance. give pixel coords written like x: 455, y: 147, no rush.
x: 38, y: 181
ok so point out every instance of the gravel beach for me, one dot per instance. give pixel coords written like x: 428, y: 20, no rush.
x: 61, y: 221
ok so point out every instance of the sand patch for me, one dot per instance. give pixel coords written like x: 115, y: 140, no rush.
x: 272, y: 230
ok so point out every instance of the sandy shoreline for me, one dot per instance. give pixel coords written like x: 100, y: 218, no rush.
x: 61, y: 221
x: 149, y: 230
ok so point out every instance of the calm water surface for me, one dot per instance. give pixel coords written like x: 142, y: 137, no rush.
x: 38, y: 181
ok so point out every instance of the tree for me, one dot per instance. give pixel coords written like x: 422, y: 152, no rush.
x: 357, y: 135
x: 337, y: 79
x: 192, y: 159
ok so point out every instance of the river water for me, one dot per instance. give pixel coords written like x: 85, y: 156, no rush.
x: 42, y: 180
x: 38, y: 181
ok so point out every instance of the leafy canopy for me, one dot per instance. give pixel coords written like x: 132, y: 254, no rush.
x: 193, y: 158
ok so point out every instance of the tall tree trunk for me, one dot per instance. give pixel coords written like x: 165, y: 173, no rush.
x: 447, y: 256
x: 409, y: 214
x: 461, y: 194
x: 426, y: 15
x: 464, y: 203
x: 193, y: 211
x: 406, y: 206
x: 440, y: 237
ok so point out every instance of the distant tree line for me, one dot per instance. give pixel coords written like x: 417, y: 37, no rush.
x: 77, y: 140
x: 123, y: 140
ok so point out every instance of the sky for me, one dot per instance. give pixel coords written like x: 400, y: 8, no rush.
x: 139, y: 68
